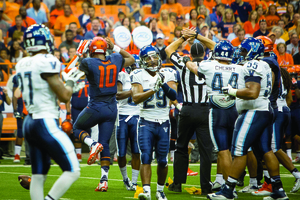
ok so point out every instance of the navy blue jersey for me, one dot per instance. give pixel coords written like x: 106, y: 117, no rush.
x: 295, y: 103
x: 80, y: 99
x: 277, y: 82
x: 20, y: 100
x: 102, y: 74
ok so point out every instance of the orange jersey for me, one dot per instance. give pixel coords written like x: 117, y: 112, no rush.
x: 272, y: 20
x: 167, y: 30
x: 54, y: 15
x: 249, y: 28
x: 236, y: 42
x: 264, y: 4
x: 286, y: 59
x: 62, y: 21
x: 210, y: 5
x: 26, y: 22
x: 12, y: 10
x: 176, y: 8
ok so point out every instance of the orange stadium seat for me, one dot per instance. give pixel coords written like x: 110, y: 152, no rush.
x: 102, y: 10
x: 147, y: 9
x: 114, y: 17
x: 57, y: 41
x: 124, y: 2
x: 117, y: 9
x: 187, y: 9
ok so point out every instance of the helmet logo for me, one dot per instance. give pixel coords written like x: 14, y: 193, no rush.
x: 254, y: 46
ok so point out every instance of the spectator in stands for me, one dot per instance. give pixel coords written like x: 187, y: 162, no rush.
x: 204, y: 29
x: 242, y: 10
x: 160, y: 39
x: 217, y: 16
x: 43, y: 7
x: 64, y: 54
x: 209, y: 4
x: 172, y: 6
x: 278, y: 33
x: 281, y: 7
x: 96, y: 28
x: 293, y: 24
x: 56, y: 53
x: 36, y: 13
x: 285, y: 35
x: 193, y: 19
x: 292, y: 48
x: 26, y: 21
x: 85, y: 15
x: 126, y: 23
x: 200, y: 20
x: 16, y: 52
x: 17, y: 36
x: 296, y: 57
x: 260, y: 13
x: 226, y: 25
x: 3, y: 98
x: 240, y: 37
x: 18, y: 27
x: 203, y: 11
x: 177, y: 33
x: 233, y: 35
x: 49, y: 4
x: 74, y: 29
x: 286, y: 18
x: 58, y: 11
x: 290, y: 36
x: 152, y: 25
x: 164, y: 23
x: 62, y: 22
x: 284, y: 58
x: 251, y: 25
x: 72, y: 52
x: 5, y: 58
x: 179, y: 21
x: 121, y: 16
x: 272, y: 16
x: 172, y: 17
x: 11, y: 10
x: 290, y: 10
x: 262, y: 31
x: 4, y: 26
x: 69, y: 40
x: 134, y: 9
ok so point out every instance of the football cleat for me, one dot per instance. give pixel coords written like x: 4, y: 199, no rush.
x: 134, y: 186
x: 17, y: 158
x: 223, y: 194
x: 97, y: 148
x: 79, y: 157
x: 144, y: 196
x: 128, y: 184
x: 191, y: 173
x: 296, y: 186
x: 266, y: 189
x: 277, y: 195
x: 160, y: 195
x: 102, y: 187
x: 248, y: 189
x: 216, y: 186
x: 296, y: 160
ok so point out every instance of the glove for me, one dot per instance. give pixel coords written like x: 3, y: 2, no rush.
x: 185, y: 59
x: 78, y: 86
x: 229, y: 90
x: 82, y: 47
x: 159, y: 82
x: 73, y: 75
x: 179, y: 106
x: 17, y: 115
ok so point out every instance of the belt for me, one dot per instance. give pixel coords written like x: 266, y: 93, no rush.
x: 195, y: 104
x: 155, y: 120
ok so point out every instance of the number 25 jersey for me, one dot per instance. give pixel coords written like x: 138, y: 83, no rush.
x: 157, y: 105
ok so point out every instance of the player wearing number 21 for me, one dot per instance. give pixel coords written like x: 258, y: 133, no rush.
x: 152, y: 88
x: 102, y: 73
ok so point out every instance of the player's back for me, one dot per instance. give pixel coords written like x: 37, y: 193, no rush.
x: 39, y: 98
x: 102, y: 75
x: 255, y: 71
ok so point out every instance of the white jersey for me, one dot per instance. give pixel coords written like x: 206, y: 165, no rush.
x: 40, y: 100
x: 219, y: 75
x: 156, y: 107
x: 253, y: 71
x: 127, y: 106
x: 281, y: 96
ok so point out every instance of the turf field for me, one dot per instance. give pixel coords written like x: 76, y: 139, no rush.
x: 84, y: 187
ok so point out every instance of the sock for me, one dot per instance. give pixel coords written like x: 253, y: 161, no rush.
x: 135, y: 175
x: 88, y: 141
x: 298, y: 154
x: 289, y: 153
x: 146, y: 188
x: 48, y: 197
x: 160, y: 188
x: 295, y: 173
x: 267, y: 176
x: 172, y: 154
x: 78, y: 150
x: 231, y: 182
x: 18, y: 149
x: 253, y: 181
x: 104, y: 173
x: 37, y: 186
x: 124, y: 172
x: 220, y: 179
x: 63, y: 183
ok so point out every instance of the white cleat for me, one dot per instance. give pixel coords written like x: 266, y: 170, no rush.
x: 97, y: 148
x: 160, y: 195
x: 296, y: 186
x: 249, y: 189
x: 144, y: 196
x: 102, y: 187
x: 216, y: 186
x: 128, y: 184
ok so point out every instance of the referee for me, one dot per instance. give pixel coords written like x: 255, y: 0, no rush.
x: 192, y: 118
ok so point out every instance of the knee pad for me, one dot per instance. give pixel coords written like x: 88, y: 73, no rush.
x: 162, y: 161
x: 146, y: 158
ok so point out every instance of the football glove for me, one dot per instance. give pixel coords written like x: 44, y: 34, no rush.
x: 73, y: 75
x: 159, y: 82
x: 18, y: 115
x: 229, y: 90
x: 82, y: 47
x: 78, y: 86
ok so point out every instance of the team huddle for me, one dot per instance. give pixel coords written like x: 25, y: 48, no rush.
x: 244, y: 84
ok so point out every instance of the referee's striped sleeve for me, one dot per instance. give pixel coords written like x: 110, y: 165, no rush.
x: 177, y: 60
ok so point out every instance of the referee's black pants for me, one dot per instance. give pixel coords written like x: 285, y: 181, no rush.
x: 193, y: 118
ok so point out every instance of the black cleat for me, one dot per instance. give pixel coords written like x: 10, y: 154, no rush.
x: 175, y: 187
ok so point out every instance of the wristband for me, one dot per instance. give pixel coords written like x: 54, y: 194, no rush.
x: 232, y: 92
x: 179, y: 106
x: 70, y: 83
x: 116, y: 49
x: 183, y: 38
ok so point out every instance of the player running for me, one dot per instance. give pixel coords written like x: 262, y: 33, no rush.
x: 41, y: 86
x: 152, y: 89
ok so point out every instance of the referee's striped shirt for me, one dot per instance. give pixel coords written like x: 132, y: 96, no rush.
x: 194, y: 88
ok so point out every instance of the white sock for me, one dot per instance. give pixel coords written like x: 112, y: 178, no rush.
x: 266, y: 173
x: 172, y: 154
x: 147, y: 189
x: 298, y: 154
x: 135, y: 175
x: 231, y: 180
x: 296, y: 174
x: 18, y: 149
x: 220, y: 179
x: 78, y: 150
x: 104, y: 173
x: 124, y: 172
x: 253, y: 181
x: 160, y: 188
x: 289, y: 153
x: 88, y: 141
x: 63, y: 183
x: 37, y: 186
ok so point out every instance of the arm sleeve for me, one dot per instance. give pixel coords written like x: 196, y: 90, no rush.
x: 84, y: 66
x: 177, y: 60
x: 121, y: 78
x: 253, y: 71
x: 51, y: 65
x: 135, y: 76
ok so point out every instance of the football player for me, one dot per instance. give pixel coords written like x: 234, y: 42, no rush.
x: 102, y: 73
x: 41, y: 86
x: 152, y: 89
x: 127, y: 128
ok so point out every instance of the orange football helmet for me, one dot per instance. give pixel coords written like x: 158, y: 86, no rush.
x: 297, y: 68
x: 267, y: 43
x: 98, y: 45
x: 67, y: 126
x: 291, y: 70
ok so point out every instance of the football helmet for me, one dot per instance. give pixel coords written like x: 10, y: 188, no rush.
x: 250, y: 49
x: 98, y: 45
x: 37, y: 37
x: 67, y: 126
x: 150, y: 58
x: 135, y: 65
x: 223, y: 51
x: 267, y: 42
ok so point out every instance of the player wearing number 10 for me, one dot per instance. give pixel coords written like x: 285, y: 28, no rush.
x: 152, y: 88
x: 102, y: 73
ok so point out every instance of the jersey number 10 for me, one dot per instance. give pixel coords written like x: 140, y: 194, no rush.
x: 109, y: 72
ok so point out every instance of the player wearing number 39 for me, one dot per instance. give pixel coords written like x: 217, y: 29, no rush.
x: 253, y: 127
x: 102, y: 73
x: 39, y: 81
x: 152, y: 88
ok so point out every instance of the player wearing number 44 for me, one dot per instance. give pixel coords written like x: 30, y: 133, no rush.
x: 152, y: 88
x: 102, y: 73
